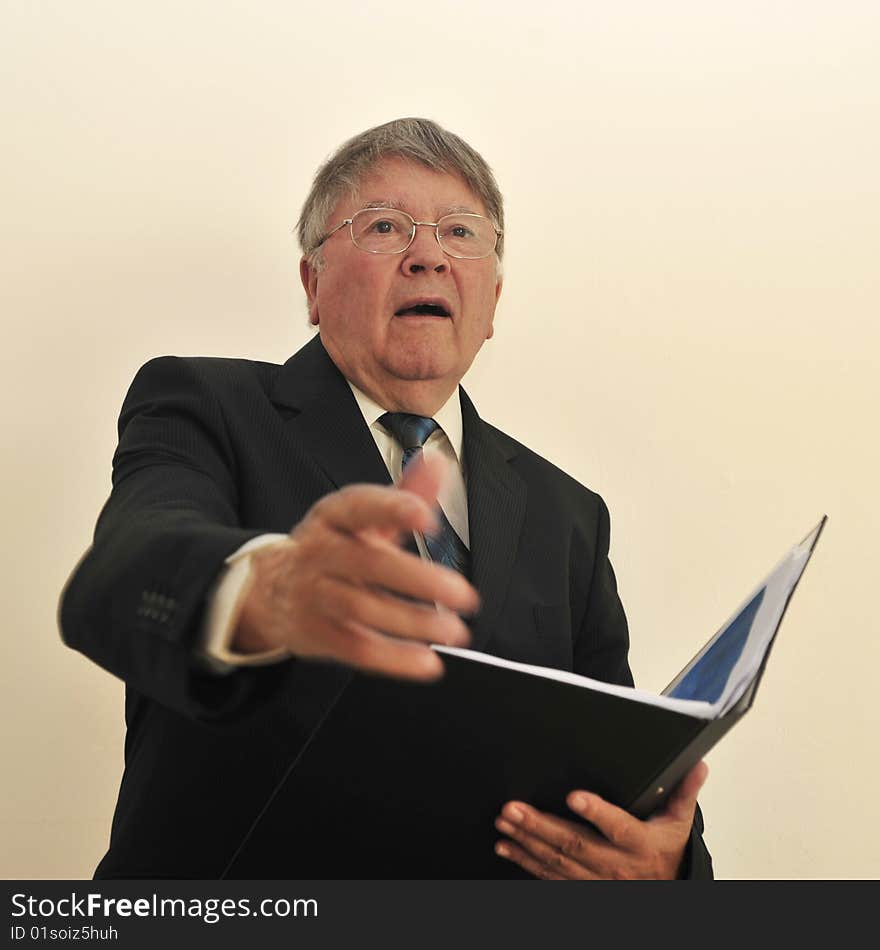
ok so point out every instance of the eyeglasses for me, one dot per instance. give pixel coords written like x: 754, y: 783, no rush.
x: 387, y: 231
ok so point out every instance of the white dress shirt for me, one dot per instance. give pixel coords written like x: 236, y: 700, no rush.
x: 229, y: 591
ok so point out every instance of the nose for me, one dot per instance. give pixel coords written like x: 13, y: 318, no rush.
x: 424, y: 254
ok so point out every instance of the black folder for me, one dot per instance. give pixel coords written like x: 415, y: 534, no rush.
x: 411, y: 777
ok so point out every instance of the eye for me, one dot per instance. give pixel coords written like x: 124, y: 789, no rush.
x: 460, y: 231
x: 382, y: 226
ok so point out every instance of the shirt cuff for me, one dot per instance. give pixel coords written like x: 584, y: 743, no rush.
x: 225, y: 601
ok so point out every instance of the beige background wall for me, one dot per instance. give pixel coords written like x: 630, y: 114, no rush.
x: 691, y: 288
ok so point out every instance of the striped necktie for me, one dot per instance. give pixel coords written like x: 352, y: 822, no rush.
x: 446, y: 547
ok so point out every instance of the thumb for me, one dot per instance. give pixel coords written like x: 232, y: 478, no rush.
x: 423, y: 477
x: 683, y: 800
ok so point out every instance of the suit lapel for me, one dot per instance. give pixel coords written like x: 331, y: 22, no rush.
x: 496, y: 508
x: 327, y: 419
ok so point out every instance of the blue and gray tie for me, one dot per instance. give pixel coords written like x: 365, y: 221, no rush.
x: 446, y: 547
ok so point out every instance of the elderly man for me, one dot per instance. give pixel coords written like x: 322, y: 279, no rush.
x: 273, y: 528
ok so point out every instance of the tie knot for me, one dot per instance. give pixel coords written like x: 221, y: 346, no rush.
x: 411, y: 431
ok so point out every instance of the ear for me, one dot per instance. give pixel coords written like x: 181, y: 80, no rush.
x: 308, y: 274
x: 498, y: 285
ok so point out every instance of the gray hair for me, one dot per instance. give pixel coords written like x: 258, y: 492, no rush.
x: 419, y: 140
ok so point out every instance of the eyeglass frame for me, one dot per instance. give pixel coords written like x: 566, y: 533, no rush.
x: 428, y: 224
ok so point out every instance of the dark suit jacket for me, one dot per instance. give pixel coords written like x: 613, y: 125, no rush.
x: 213, y: 452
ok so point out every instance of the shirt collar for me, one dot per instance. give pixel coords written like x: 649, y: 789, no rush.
x: 448, y: 416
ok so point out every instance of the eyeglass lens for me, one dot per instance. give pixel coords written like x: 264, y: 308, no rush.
x: 384, y: 231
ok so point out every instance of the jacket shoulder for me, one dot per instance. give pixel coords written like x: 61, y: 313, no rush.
x: 217, y: 372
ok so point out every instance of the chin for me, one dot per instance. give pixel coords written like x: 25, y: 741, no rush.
x: 413, y: 370
x: 419, y: 363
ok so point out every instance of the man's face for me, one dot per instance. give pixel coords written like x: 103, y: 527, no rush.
x: 363, y: 302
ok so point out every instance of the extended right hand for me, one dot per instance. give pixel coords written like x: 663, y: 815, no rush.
x: 333, y: 589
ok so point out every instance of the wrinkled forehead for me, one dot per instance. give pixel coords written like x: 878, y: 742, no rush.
x: 410, y: 186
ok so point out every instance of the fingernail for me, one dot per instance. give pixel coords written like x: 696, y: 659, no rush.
x: 580, y: 801
x: 502, y: 849
x: 514, y: 813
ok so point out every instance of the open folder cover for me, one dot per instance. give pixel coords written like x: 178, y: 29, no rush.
x: 414, y: 776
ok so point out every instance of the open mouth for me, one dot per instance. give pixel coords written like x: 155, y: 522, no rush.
x: 423, y: 310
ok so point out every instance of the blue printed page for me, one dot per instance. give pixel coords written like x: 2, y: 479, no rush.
x: 708, y: 677
x: 723, y: 670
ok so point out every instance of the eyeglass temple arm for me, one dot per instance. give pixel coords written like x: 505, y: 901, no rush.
x: 329, y: 234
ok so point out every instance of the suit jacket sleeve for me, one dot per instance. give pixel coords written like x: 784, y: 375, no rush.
x: 602, y: 645
x: 601, y: 651
x: 135, y: 601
